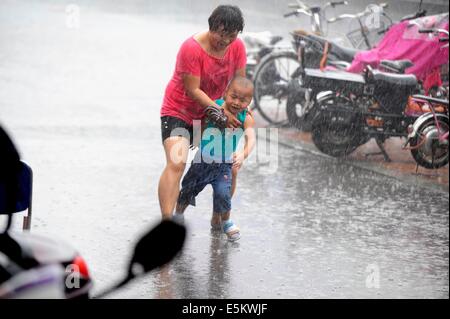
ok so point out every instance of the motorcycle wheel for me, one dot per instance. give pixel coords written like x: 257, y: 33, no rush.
x: 431, y: 153
x: 337, y: 133
x: 334, y: 140
x: 271, y: 83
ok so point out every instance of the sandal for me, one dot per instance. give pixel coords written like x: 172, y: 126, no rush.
x: 231, y: 230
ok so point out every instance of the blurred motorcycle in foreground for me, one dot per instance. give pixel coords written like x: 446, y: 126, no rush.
x: 39, y: 267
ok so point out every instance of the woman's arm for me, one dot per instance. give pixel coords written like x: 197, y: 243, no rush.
x: 240, y: 72
x: 192, y: 87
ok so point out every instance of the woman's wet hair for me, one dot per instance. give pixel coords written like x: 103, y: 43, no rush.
x: 226, y: 18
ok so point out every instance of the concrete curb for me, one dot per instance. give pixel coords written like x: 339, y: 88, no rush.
x: 369, y: 166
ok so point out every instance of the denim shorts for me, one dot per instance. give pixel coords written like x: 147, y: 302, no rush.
x: 201, y: 174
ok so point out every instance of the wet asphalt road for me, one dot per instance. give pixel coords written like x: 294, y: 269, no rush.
x: 82, y: 104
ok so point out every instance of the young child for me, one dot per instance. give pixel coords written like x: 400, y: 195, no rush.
x: 218, y: 157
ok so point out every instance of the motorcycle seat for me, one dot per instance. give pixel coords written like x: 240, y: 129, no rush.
x: 340, y: 52
x: 335, y: 75
x: 344, y: 53
x: 398, y: 79
x: 398, y: 66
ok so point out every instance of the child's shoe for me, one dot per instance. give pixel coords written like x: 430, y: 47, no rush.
x: 231, y: 230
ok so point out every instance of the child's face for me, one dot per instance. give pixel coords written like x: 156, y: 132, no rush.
x: 237, y: 98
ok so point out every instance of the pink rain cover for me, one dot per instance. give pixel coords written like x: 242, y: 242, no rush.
x: 403, y: 41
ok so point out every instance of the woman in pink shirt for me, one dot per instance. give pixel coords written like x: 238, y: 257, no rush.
x: 206, y: 62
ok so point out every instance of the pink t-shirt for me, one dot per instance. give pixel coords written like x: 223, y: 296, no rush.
x: 214, y: 73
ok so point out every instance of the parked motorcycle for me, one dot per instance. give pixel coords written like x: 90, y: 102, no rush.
x: 364, y: 106
x: 318, y: 53
x: 39, y: 267
x: 300, y: 106
x: 274, y: 71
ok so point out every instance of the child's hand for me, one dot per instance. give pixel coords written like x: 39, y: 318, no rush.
x: 238, y: 160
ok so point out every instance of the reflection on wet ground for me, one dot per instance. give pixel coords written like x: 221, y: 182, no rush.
x: 318, y: 229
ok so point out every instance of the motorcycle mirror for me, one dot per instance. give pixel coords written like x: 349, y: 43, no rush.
x: 156, y: 248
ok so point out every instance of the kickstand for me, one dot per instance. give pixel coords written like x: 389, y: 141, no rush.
x: 383, y: 151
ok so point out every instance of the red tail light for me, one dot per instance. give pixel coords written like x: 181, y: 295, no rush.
x: 81, y: 266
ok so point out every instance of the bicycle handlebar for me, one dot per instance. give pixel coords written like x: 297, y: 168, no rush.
x: 419, y: 14
x: 292, y: 5
x: 383, y: 31
x: 290, y: 14
x: 299, y: 5
x: 296, y: 12
x: 358, y: 15
x: 336, y: 3
x: 433, y: 31
x: 347, y: 16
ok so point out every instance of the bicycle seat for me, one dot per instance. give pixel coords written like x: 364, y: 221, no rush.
x: 398, y: 79
x: 398, y: 66
x: 275, y: 39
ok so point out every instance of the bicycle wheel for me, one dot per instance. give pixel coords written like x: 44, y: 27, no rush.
x: 271, y: 84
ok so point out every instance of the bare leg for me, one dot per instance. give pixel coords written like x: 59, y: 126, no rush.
x: 225, y: 216
x: 216, y: 220
x: 176, y: 149
x: 181, y: 208
x: 234, y: 173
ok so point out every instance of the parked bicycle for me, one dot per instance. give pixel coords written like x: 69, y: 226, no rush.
x: 258, y: 45
x: 418, y: 14
x: 275, y: 71
x: 365, y: 26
